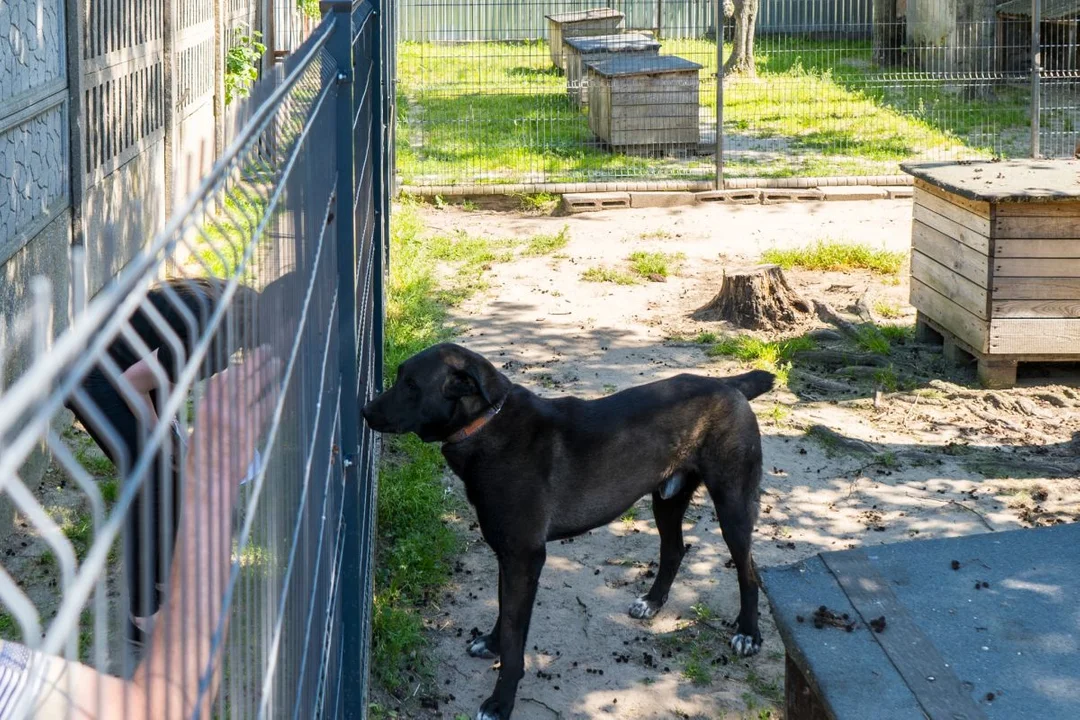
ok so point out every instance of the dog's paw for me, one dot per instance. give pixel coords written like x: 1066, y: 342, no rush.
x: 643, y: 609
x: 744, y: 645
x: 479, y: 648
x: 492, y: 709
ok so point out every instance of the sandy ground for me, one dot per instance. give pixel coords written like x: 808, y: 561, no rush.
x: 557, y: 334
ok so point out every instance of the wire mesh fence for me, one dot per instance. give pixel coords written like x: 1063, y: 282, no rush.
x: 199, y: 543
x: 812, y: 88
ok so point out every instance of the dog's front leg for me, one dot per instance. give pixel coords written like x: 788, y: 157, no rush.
x: 520, y: 573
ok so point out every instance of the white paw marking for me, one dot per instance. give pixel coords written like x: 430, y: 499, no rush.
x: 642, y: 609
x: 484, y: 715
x: 744, y: 645
x: 478, y: 648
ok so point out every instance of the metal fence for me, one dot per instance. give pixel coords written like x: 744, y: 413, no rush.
x: 837, y: 89
x: 201, y: 543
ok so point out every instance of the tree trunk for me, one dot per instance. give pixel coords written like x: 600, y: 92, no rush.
x: 742, y: 52
x: 756, y: 298
x: 888, y: 33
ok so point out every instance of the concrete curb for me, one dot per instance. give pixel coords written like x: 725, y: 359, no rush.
x: 575, y: 203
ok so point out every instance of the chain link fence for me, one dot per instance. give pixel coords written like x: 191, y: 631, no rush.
x: 200, y: 543
x: 835, y: 88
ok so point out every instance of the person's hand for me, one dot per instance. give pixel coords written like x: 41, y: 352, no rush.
x: 232, y: 415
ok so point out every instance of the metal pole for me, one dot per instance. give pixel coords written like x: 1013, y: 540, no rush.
x: 352, y: 596
x: 380, y: 197
x: 1036, y: 74
x: 718, y: 24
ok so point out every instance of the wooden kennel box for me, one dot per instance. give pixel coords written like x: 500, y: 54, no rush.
x: 995, y: 261
x: 644, y: 104
x: 597, y: 21
x: 581, y: 50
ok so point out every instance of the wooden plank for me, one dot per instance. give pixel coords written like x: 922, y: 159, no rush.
x: 951, y: 253
x: 1037, y: 248
x: 949, y: 315
x: 1035, y: 289
x: 978, y: 207
x: 957, y: 214
x: 1035, y: 336
x: 972, y: 238
x: 957, y: 288
x: 1037, y: 227
x: 1037, y: 267
x: 1067, y: 208
x: 1036, y: 309
x: 933, y: 682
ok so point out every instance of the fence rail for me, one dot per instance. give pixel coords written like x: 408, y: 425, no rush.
x: 838, y: 88
x: 202, y: 541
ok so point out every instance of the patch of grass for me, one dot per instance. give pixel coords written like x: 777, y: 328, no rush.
x: 887, y: 309
x: 608, y: 275
x: 653, y: 265
x: 630, y: 515
x: 415, y: 545
x: 778, y: 413
x: 609, y: 388
x: 94, y: 461
x: 655, y: 235
x: 547, y: 244
x: 706, y: 338
x: 78, y: 528
x: 110, y: 491
x: 9, y: 629
x: 537, y: 202
x: 898, y: 334
x: 871, y: 339
x: 836, y: 255
x: 766, y: 353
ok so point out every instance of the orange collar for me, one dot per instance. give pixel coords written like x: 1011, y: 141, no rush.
x: 476, y: 425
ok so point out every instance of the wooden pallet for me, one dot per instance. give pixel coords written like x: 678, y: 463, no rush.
x: 994, y: 371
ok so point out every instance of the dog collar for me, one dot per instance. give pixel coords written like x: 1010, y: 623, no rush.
x: 476, y: 425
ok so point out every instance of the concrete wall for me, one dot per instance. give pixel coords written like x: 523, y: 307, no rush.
x: 35, y: 219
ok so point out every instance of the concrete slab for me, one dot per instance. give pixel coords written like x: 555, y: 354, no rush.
x: 747, y: 196
x: 593, y: 202
x: 775, y: 196
x: 854, y: 192
x: 661, y: 199
x: 897, y: 192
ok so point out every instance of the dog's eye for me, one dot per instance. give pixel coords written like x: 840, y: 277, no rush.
x: 411, y: 384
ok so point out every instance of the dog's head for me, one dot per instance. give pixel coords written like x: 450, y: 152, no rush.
x: 436, y: 393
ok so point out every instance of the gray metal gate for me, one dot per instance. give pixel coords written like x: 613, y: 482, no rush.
x: 248, y: 517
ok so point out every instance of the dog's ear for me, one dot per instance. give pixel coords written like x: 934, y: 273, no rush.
x: 471, y: 374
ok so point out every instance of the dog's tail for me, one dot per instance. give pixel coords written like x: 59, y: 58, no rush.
x: 753, y: 383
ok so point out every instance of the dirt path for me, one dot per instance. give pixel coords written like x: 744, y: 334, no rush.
x: 924, y: 467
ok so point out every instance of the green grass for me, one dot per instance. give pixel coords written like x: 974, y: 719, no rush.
x: 498, y: 113
x: 836, y: 255
x: 415, y: 545
x: 652, y: 265
x: 547, y: 244
x: 608, y: 275
x: 538, y: 202
x: 774, y: 356
x: 881, y: 339
x: 887, y: 309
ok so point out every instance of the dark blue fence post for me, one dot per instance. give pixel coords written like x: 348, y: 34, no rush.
x: 380, y: 198
x: 353, y: 645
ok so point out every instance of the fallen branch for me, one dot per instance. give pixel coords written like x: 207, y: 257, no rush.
x: 555, y: 712
x: 827, y: 314
x: 823, y: 384
x: 839, y: 358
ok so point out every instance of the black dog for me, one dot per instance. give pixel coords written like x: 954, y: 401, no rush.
x: 538, y: 470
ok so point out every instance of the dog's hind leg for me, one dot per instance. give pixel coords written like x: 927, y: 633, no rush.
x: 736, y: 500
x: 487, y: 646
x: 669, y: 514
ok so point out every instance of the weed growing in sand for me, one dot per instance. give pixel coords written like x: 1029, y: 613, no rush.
x: 887, y: 309
x: 655, y: 235
x: 836, y: 255
x: 547, y: 244
x: 607, y: 275
x: 537, y: 202
x: 655, y: 265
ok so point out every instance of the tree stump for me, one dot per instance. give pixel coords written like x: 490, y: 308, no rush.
x: 755, y: 298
